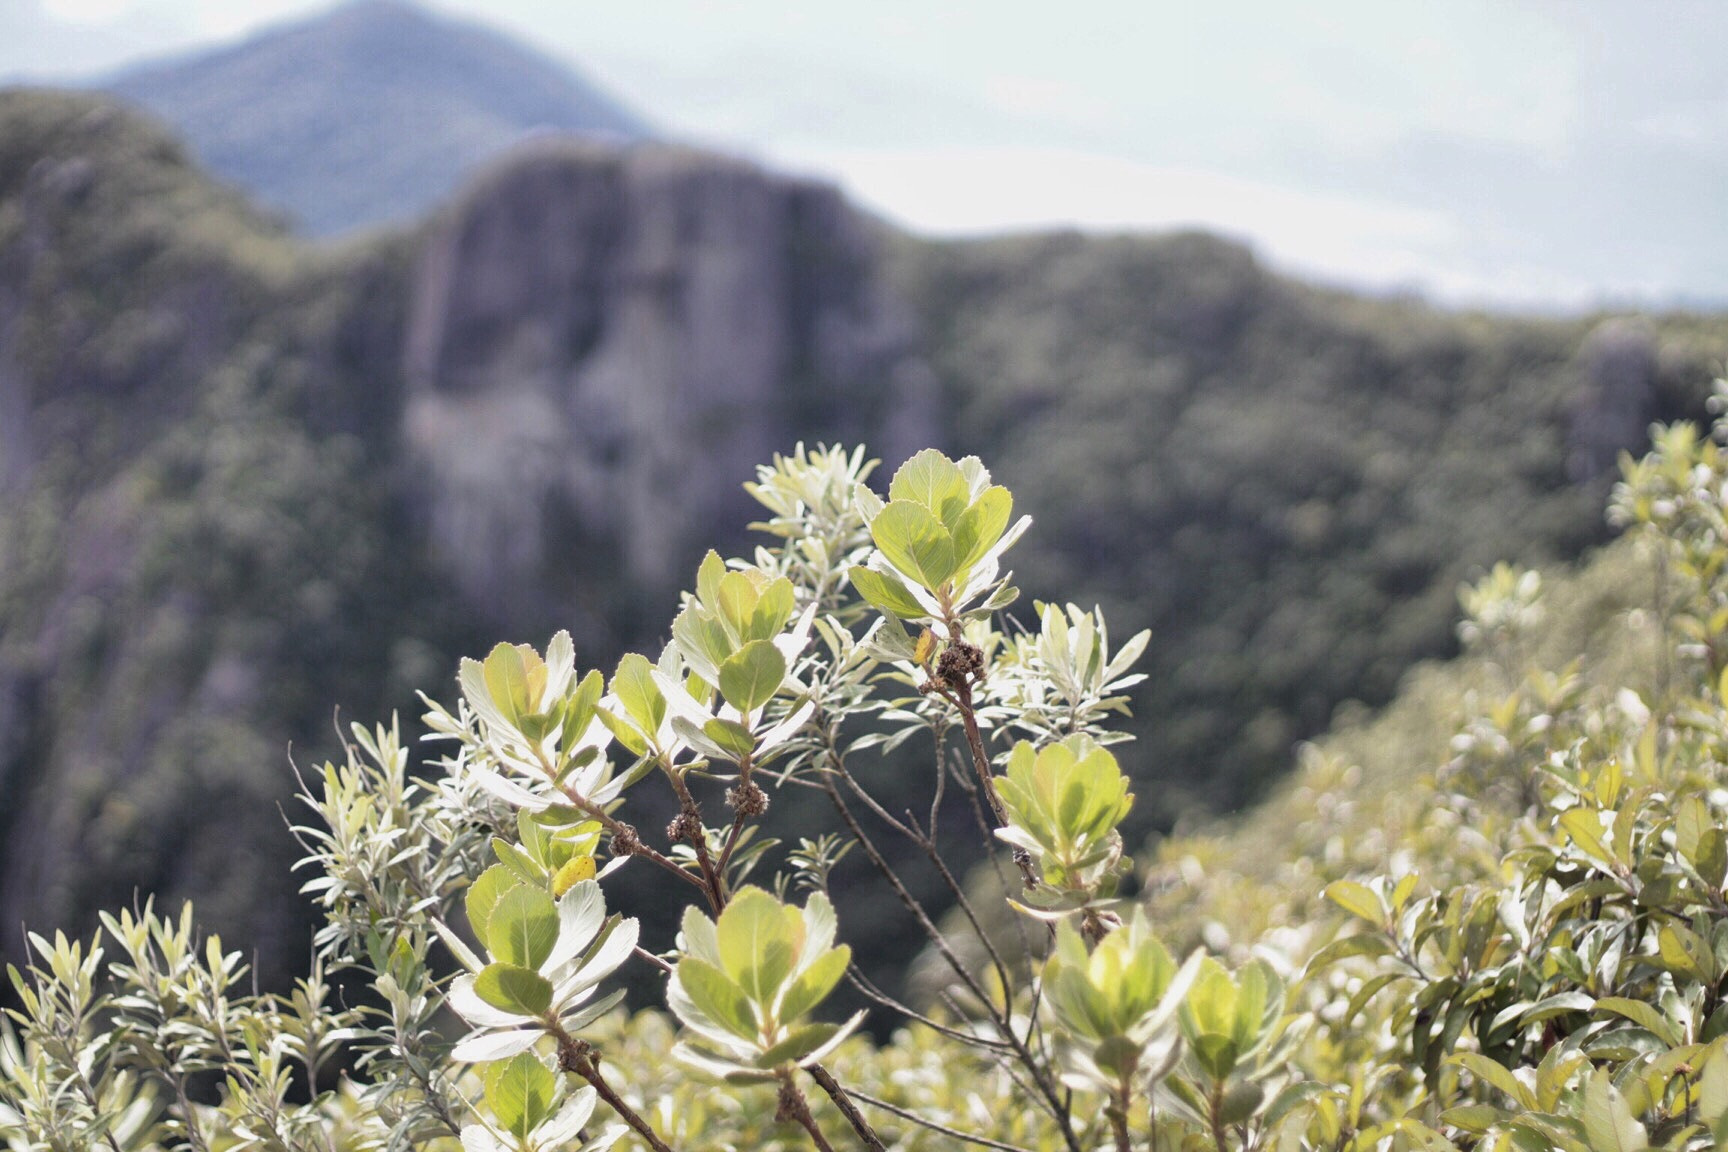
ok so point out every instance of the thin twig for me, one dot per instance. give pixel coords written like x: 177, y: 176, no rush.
x: 923, y: 1122
x: 873, y: 992
x: 1004, y: 1023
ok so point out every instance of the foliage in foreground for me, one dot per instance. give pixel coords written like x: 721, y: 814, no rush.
x: 1537, y: 960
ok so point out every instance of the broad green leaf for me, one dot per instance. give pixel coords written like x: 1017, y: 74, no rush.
x: 981, y: 525
x: 1358, y: 900
x: 708, y: 578
x: 717, y: 996
x: 1584, y: 828
x: 702, y: 639
x: 1216, y: 1054
x: 757, y: 945
x: 915, y: 542
x: 1608, y: 1121
x: 730, y: 736
x: 484, y: 893
x: 1642, y: 1015
x: 512, y: 988
x: 773, y: 609
x: 518, y: 861
x: 814, y: 983
x: 520, y: 1092
x: 798, y: 1045
x: 523, y: 927
x: 885, y: 592
x: 1495, y: 1074
x: 625, y: 733
x: 507, y: 681
x: 580, y: 707
x: 1474, y: 1118
x: 750, y: 676
x: 933, y: 481
x: 634, y: 686
x: 737, y: 603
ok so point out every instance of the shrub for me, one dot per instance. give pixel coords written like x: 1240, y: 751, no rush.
x: 1560, y: 985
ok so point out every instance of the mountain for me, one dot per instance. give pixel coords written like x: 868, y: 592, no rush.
x: 368, y: 114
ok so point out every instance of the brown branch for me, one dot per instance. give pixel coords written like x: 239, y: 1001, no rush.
x: 579, y: 1058
x: 793, y: 1106
x: 847, y: 1109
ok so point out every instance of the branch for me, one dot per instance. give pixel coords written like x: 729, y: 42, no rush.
x: 907, y: 1114
x: 847, y: 1109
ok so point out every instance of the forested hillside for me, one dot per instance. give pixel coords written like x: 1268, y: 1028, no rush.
x: 247, y: 481
x: 1286, y: 484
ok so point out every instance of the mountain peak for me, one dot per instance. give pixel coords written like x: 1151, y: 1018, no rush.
x: 370, y: 112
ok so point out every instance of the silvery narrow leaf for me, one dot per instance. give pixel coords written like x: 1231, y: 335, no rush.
x: 476, y: 1138
x: 607, y: 958
x: 786, y: 728
x: 511, y: 792
x: 562, y: 1126
x: 791, y: 643
x: 467, y: 1004
x: 483, y: 1047
x: 581, y: 912
x: 834, y: 1041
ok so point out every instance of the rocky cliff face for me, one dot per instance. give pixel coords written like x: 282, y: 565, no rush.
x: 245, y: 482
x: 602, y: 346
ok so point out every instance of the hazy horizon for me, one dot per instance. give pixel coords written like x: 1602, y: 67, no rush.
x: 1539, y: 154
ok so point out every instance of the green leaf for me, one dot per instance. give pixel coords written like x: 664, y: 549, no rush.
x: 1495, y: 1074
x: 717, y: 996
x: 1642, y: 1015
x: 798, y: 1045
x: 1584, y: 828
x: 933, y: 481
x: 507, y: 681
x: 737, y: 603
x: 484, y: 893
x: 1608, y: 1121
x: 885, y: 592
x: 1216, y: 1054
x: 773, y: 609
x: 708, y: 578
x: 512, y: 988
x: 731, y: 736
x: 750, y: 676
x: 523, y: 927
x: 981, y: 525
x: 1473, y: 1118
x: 634, y: 686
x: 520, y: 1093
x: 757, y: 948
x: 625, y: 732
x: 1358, y: 900
x: 517, y: 861
x: 814, y: 984
x: 915, y: 542
x: 703, y: 640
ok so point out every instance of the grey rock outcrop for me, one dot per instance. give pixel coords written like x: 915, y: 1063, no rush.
x: 603, y: 344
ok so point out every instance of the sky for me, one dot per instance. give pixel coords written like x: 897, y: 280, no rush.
x: 1539, y: 153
